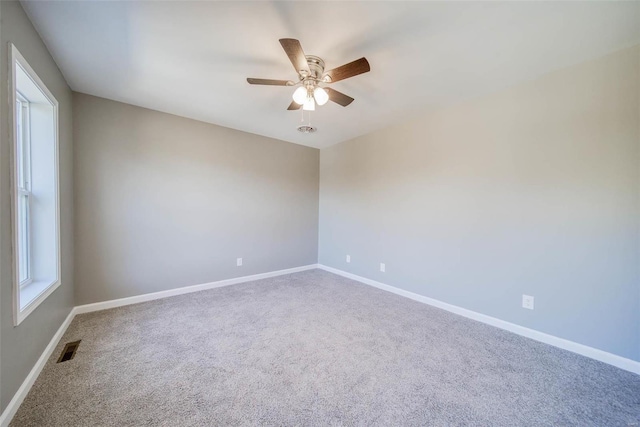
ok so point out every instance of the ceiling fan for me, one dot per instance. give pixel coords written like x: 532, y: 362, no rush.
x: 313, y: 79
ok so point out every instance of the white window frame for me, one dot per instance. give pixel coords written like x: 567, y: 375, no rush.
x: 23, y: 180
x: 43, y: 290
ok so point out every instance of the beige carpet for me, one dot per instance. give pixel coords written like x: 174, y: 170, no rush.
x: 316, y: 349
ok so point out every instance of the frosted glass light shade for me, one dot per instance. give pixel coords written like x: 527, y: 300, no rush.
x: 321, y: 96
x: 300, y: 95
x: 309, y: 104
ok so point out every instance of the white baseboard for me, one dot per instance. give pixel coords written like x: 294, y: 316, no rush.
x: 22, y: 392
x: 186, y: 290
x: 593, y: 353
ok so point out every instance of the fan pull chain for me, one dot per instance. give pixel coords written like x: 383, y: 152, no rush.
x: 302, y: 117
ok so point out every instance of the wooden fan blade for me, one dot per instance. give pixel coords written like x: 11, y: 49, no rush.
x: 338, y: 97
x: 294, y: 51
x: 345, y: 71
x: 294, y: 106
x: 270, y: 82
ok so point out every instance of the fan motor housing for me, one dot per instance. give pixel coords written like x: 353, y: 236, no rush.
x: 316, y: 66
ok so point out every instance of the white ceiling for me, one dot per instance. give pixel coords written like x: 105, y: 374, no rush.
x: 192, y: 58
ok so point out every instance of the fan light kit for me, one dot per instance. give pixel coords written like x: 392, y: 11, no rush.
x: 308, y: 98
x: 313, y: 79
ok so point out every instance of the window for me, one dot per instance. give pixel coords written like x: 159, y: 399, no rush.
x: 36, y: 230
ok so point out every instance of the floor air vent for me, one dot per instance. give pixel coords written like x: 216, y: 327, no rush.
x: 69, y: 351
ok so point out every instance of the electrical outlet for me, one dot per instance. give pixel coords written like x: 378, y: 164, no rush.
x: 527, y: 302
x: 348, y: 258
x: 239, y: 262
x: 383, y: 267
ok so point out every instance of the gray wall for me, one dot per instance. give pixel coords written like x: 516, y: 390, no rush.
x: 164, y: 202
x: 21, y: 346
x: 533, y: 190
